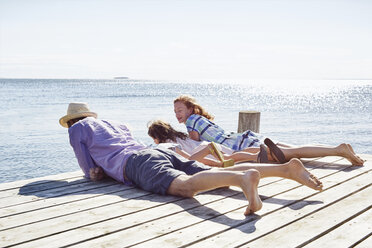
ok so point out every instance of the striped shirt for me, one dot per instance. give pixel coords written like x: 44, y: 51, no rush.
x: 208, y: 131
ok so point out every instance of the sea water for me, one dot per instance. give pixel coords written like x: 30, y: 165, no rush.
x: 33, y: 144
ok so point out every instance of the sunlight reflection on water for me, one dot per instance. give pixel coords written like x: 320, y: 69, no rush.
x: 33, y: 144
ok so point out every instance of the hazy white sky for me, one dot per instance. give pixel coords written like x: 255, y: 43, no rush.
x: 186, y: 39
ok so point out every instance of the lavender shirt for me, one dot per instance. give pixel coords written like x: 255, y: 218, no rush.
x: 102, y: 143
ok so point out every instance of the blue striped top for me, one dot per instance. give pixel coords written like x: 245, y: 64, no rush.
x: 209, y: 131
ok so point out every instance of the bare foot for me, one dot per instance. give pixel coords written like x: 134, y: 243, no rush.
x: 347, y: 152
x: 249, y: 186
x: 351, y: 149
x: 298, y: 172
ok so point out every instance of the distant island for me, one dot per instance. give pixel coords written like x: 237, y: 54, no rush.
x: 121, y: 77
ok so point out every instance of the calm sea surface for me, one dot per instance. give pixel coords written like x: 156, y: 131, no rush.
x: 33, y: 144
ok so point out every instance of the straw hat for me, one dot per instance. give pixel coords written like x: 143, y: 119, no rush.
x: 76, y: 110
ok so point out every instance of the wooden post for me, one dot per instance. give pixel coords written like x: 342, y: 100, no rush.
x: 249, y: 120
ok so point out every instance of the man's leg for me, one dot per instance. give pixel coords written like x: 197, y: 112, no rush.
x: 188, y: 186
x: 293, y: 170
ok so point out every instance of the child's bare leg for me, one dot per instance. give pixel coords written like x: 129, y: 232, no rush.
x: 341, y: 150
x: 293, y: 170
x: 251, y: 150
x: 281, y: 144
x: 242, y: 156
x: 200, y: 154
x: 201, y: 157
x: 188, y: 186
x: 210, y: 162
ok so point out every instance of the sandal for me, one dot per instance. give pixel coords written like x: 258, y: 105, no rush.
x: 228, y: 163
x: 275, y: 151
x: 218, y: 154
x: 262, y: 155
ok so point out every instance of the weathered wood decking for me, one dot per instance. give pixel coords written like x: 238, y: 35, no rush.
x: 67, y: 210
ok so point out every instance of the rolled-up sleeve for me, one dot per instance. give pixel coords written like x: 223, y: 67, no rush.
x: 81, y: 151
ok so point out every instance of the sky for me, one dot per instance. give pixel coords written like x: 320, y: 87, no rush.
x: 186, y: 39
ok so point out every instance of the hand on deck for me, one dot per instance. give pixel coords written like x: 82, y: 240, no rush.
x: 96, y: 174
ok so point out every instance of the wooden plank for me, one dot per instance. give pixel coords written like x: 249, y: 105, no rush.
x: 30, y: 217
x: 20, y: 183
x: 93, y: 217
x: 45, y: 214
x: 46, y: 203
x: 365, y: 243
x: 47, y: 196
x: 317, y: 222
x: 171, y: 223
x: 97, y: 200
x: 162, y: 210
x: 236, y: 230
x: 55, y: 192
x: 40, y: 185
x: 119, y: 215
x: 347, y: 234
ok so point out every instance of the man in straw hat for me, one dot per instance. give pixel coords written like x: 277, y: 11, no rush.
x: 108, y: 148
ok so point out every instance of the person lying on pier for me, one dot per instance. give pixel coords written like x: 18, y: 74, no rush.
x: 166, y: 136
x: 107, y: 148
x: 200, y: 127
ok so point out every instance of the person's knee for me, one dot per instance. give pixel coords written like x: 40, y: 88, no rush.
x: 182, y: 186
x: 188, y: 191
x: 253, y: 174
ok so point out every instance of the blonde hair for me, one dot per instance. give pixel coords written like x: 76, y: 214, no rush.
x: 190, y: 102
x: 163, y: 131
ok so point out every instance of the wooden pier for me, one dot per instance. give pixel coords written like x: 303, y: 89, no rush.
x: 68, y: 210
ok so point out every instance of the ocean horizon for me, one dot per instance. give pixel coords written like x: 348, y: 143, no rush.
x: 33, y: 144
